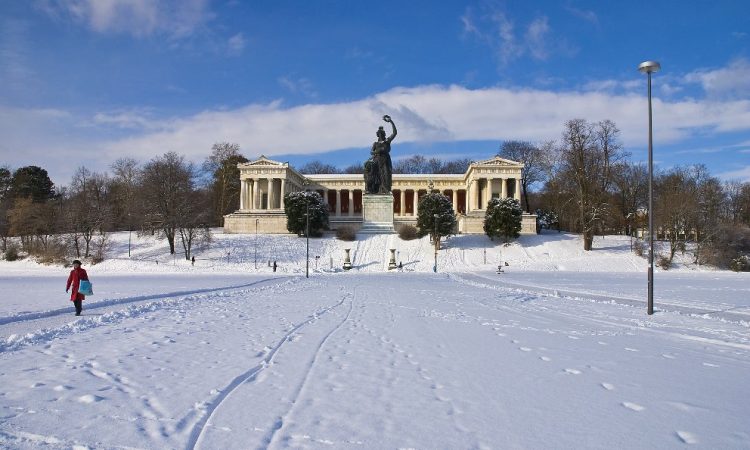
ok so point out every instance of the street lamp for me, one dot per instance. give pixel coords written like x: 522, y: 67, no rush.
x: 130, y: 233
x: 307, y: 236
x: 437, y: 241
x: 649, y: 67
x: 256, y: 243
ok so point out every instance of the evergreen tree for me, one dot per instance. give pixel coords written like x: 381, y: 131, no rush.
x: 430, y: 205
x: 297, y: 204
x: 32, y: 181
x: 503, y: 219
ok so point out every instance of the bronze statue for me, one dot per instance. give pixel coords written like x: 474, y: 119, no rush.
x: 379, y: 169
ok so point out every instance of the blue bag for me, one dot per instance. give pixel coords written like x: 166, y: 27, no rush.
x: 85, y: 288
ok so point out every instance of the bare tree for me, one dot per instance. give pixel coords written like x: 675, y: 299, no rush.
x: 588, y: 153
x: 630, y: 182
x: 167, y: 183
x: 317, y: 167
x: 88, y: 211
x: 533, y: 160
x: 124, y: 193
x: 225, y: 179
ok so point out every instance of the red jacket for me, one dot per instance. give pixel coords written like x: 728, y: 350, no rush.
x: 74, y: 279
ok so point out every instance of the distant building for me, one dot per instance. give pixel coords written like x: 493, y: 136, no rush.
x: 265, y: 182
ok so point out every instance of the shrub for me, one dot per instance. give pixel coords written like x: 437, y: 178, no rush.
x: 663, y: 262
x: 730, y: 243
x: 346, y: 233
x: 408, y: 232
x: 740, y: 264
x: 503, y: 219
x: 297, y: 204
x: 431, y: 205
x: 11, y: 253
x: 639, y: 247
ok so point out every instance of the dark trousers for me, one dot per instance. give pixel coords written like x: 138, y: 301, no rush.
x: 79, y: 306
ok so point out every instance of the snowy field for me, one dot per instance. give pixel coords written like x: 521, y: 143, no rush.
x: 555, y: 353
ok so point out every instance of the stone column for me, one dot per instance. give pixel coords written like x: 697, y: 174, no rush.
x: 455, y: 199
x: 489, y: 192
x: 503, y: 188
x: 351, y: 202
x: 415, y: 201
x: 282, y: 192
x: 517, y: 193
x: 338, y: 202
x: 325, y: 197
x: 402, y: 203
x: 243, y: 193
x: 270, y: 194
x: 474, y: 188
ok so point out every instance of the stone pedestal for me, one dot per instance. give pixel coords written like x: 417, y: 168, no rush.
x: 377, y: 214
x: 392, y: 263
x: 347, y: 260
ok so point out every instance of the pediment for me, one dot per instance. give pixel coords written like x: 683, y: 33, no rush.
x: 264, y: 162
x: 498, y: 161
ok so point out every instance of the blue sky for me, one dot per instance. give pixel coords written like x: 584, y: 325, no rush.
x: 83, y: 82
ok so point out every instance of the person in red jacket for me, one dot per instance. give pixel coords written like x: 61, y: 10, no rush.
x: 74, y: 279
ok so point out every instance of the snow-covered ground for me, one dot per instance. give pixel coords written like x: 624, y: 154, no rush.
x: 555, y: 353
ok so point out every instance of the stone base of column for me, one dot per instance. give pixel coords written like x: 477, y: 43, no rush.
x: 377, y: 214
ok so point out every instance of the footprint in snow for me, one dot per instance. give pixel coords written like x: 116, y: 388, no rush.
x: 687, y: 437
x: 573, y: 371
x: 631, y: 349
x: 545, y: 358
x: 608, y: 386
x: 668, y: 356
x: 710, y: 365
x: 524, y: 349
x: 90, y: 399
x: 633, y: 406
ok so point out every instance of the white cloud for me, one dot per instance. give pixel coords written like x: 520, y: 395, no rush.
x: 433, y: 113
x: 236, y: 44
x: 589, y: 16
x: 730, y: 81
x: 176, y: 18
x: 497, y: 30
x: 298, y: 86
x: 536, y: 36
x: 742, y: 174
x: 423, y: 114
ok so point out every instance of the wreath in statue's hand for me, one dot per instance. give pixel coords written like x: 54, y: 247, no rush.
x: 387, y: 118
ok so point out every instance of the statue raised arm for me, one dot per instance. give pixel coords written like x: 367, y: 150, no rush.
x: 388, y: 119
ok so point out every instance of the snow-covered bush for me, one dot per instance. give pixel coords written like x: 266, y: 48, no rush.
x: 503, y: 219
x: 435, y: 215
x: 346, y: 233
x: 408, y: 232
x: 740, y: 264
x: 11, y: 253
x: 297, y: 204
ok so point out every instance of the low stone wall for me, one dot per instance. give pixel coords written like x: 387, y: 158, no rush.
x: 474, y: 224
x: 268, y: 222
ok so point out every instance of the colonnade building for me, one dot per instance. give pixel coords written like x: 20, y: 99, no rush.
x: 265, y: 182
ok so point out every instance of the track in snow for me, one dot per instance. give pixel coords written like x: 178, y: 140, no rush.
x: 21, y: 330
x: 196, y: 436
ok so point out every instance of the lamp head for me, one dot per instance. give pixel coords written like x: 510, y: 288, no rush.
x: 649, y: 67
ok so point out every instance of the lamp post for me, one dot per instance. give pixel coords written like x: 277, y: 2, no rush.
x: 307, y: 236
x: 256, y: 243
x: 130, y: 232
x: 437, y: 241
x: 649, y: 67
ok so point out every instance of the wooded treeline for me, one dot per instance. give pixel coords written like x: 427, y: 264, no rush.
x: 166, y: 196
x: 583, y: 182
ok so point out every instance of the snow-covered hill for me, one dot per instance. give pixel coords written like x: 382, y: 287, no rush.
x: 248, y: 253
